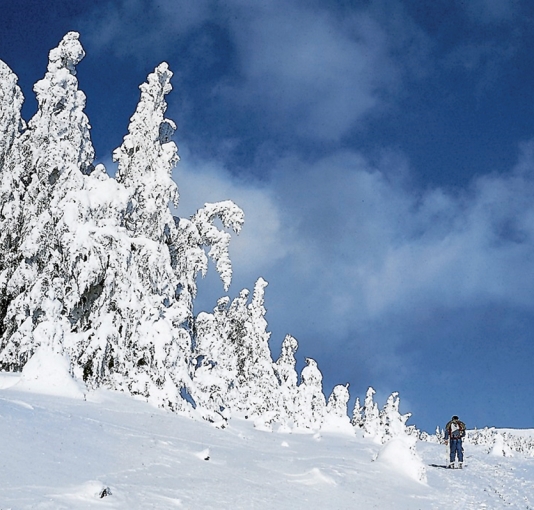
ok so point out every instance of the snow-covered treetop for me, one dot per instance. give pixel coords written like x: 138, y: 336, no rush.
x: 146, y: 159
x: 67, y: 55
x: 60, y: 121
x: 257, y: 307
x: 311, y: 375
x: 148, y: 129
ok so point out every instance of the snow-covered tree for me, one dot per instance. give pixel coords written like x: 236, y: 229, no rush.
x: 259, y: 387
x: 336, y: 415
x: 382, y: 425
x: 146, y: 159
x: 137, y: 342
x: 143, y: 318
x: 10, y: 188
x: 393, y: 423
x: 311, y: 400
x: 56, y: 153
x: 372, y: 426
x: 285, y: 372
x: 338, y: 400
x: 357, y: 414
x: 234, y: 360
x: 215, y: 363
x: 238, y: 348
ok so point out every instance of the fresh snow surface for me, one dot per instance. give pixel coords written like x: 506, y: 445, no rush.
x: 63, y: 452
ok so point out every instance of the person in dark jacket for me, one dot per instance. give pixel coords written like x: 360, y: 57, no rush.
x: 455, y: 431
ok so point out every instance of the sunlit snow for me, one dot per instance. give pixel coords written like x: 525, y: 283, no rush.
x: 64, y: 453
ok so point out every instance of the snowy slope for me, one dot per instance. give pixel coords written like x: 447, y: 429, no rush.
x: 60, y: 452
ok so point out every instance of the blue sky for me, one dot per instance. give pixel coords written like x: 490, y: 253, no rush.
x: 383, y: 153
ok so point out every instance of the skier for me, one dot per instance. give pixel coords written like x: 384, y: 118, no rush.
x: 455, y: 430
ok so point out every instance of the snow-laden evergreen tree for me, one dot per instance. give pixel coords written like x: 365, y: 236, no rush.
x: 440, y: 434
x: 311, y: 400
x: 357, y: 414
x: 219, y: 343
x: 393, y: 423
x: 286, y: 374
x: 336, y: 416
x: 146, y: 159
x: 137, y: 343
x: 257, y: 383
x: 11, y: 125
x: 372, y: 425
x: 234, y: 361
x: 215, y: 364
x: 143, y: 320
x: 381, y: 425
x: 56, y: 153
x: 338, y: 400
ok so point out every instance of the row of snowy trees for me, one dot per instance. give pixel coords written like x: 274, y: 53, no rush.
x: 498, y: 442
x: 98, y: 269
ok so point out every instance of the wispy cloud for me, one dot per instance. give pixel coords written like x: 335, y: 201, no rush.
x: 296, y: 69
x: 308, y: 71
x: 143, y: 28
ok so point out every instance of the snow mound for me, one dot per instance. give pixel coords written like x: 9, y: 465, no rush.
x: 500, y: 448
x: 338, y: 424
x: 313, y: 477
x: 400, y: 454
x: 204, y: 454
x: 8, y: 379
x: 90, y: 492
x: 48, y: 373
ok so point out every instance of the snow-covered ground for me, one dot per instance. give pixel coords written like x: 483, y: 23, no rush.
x: 60, y: 452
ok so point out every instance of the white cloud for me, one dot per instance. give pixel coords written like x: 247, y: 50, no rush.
x: 141, y: 29
x: 297, y: 68
x: 481, y: 256
x: 308, y: 70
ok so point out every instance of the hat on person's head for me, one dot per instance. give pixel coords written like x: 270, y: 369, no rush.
x: 455, y: 417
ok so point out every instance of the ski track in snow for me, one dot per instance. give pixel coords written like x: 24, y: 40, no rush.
x: 60, y: 453
x: 486, y: 482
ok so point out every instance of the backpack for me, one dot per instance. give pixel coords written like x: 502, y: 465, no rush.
x: 456, y: 429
